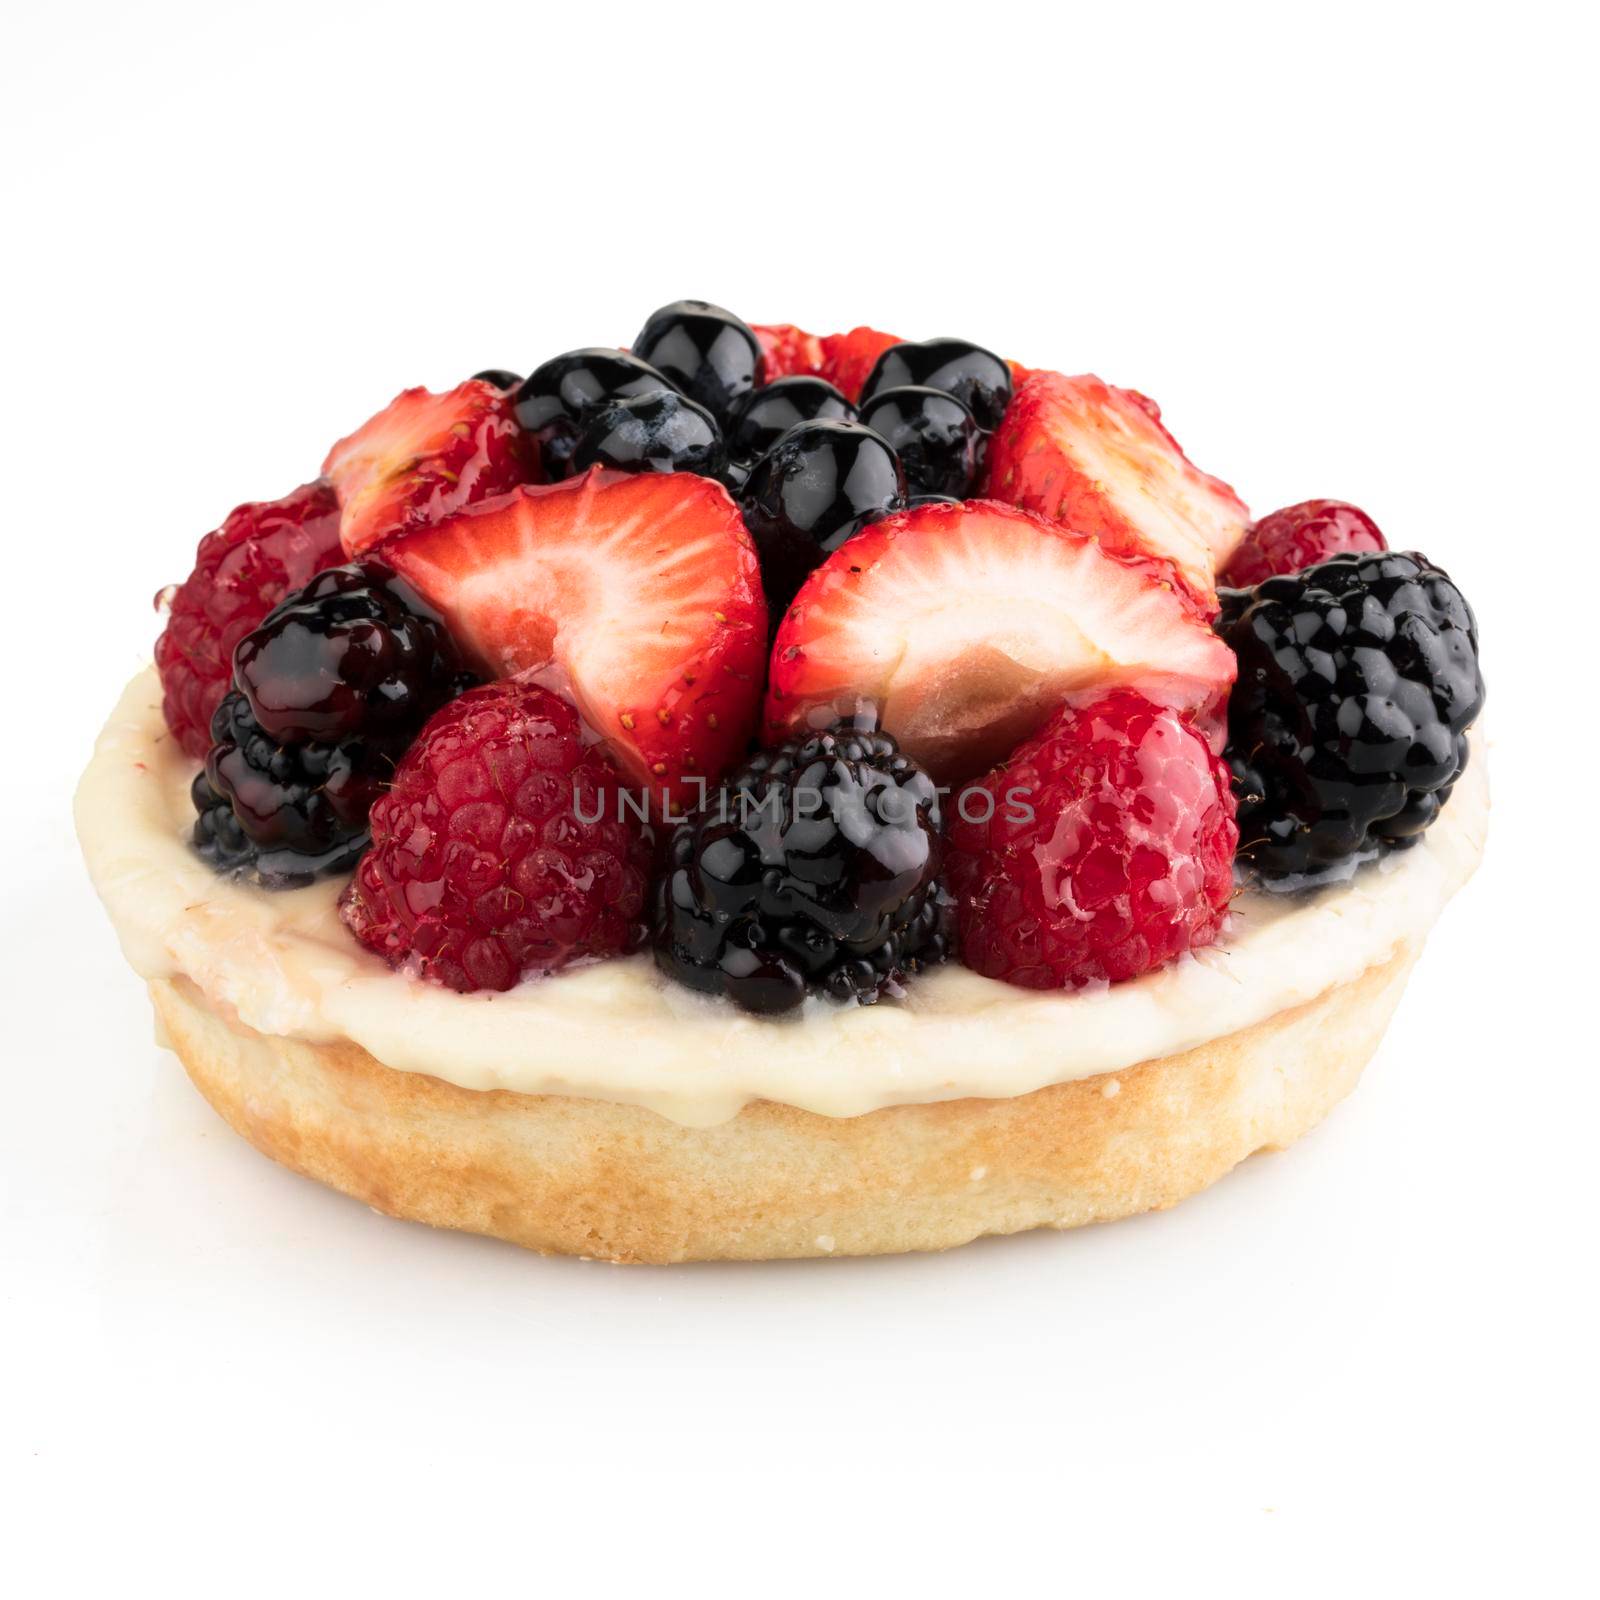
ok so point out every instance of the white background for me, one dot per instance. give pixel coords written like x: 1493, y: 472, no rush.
x: 1348, y: 251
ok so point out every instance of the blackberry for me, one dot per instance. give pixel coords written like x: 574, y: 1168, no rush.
x: 499, y: 377
x: 329, y: 692
x: 301, y: 807
x: 814, y: 870
x: 978, y: 378
x: 1358, y: 679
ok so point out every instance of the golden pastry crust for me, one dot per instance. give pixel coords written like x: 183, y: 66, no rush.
x: 595, y: 1178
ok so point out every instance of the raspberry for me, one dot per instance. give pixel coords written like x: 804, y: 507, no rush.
x: 1103, y: 848
x: 503, y: 848
x: 262, y: 552
x: 1300, y: 536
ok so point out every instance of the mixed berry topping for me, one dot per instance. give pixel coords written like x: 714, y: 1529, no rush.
x: 1103, y: 848
x: 1358, y: 680
x: 752, y: 595
x: 503, y: 847
x: 815, y: 870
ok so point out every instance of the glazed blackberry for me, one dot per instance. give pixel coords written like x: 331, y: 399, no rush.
x: 762, y: 418
x: 357, y: 650
x: 978, y: 378
x: 820, y: 484
x: 815, y: 870
x: 301, y: 807
x: 652, y: 433
x: 329, y: 692
x: 1358, y: 679
x: 706, y: 352
x: 554, y: 402
x: 933, y: 433
x: 499, y: 377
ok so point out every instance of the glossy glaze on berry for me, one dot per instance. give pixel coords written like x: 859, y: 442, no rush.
x: 662, y: 432
x: 819, y: 485
x: 814, y: 871
x: 556, y: 399
x: 331, y: 690
x: 762, y: 418
x: 933, y: 433
x: 262, y: 552
x: 1298, y: 537
x: 355, y: 651
x: 499, y: 377
x: 706, y: 352
x: 1358, y: 679
x: 975, y: 376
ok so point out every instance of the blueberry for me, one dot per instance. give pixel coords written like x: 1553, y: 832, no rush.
x: 821, y: 483
x: 975, y: 376
x: 660, y: 432
x: 932, y: 432
x: 498, y: 376
x: 705, y: 351
x: 762, y: 418
x: 554, y: 402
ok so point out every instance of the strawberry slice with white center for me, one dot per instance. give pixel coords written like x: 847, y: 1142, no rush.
x: 961, y: 628
x: 423, y: 457
x: 636, y: 595
x: 1099, y: 459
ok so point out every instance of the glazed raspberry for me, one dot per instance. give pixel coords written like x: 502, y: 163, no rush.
x: 1103, y: 848
x: 264, y: 551
x: 1298, y: 537
x: 503, y: 848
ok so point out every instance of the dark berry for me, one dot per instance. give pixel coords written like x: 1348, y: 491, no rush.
x: 1358, y: 679
x: 815, y: 870
x: 820, y: 484
x: 931, y: 500
x: 707, y: 352
x: 302, y: 807
x: 555, y: 400
x: 355, y: 651
x: 499, y: 377
x: 330, y: 691
x: 661, y: 432
x: 975, y: 376
x: 762, y: 418
x: 932, y: 432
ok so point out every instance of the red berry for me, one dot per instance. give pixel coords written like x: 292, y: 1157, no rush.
x: 848, y: 358
x: 263, y: 551
x: 504, y: 847
x: 1298, y: 537
x: 424, y: 456
x: 1103, y: 848
x: 788, y: 351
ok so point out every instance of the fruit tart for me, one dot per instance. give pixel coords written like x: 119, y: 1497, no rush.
x: 753, y: 794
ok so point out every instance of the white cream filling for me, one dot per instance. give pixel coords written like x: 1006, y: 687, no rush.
x: 617, y: 1030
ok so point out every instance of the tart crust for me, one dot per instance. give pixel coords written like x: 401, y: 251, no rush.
x: 595, y: 1178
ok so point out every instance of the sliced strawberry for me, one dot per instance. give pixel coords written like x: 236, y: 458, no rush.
x: 1100, y: 460
x: 963, y: 627
x: 638, y: 595
x: 848, y: 358
x: 790, y: 351
x: 423, y: 457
